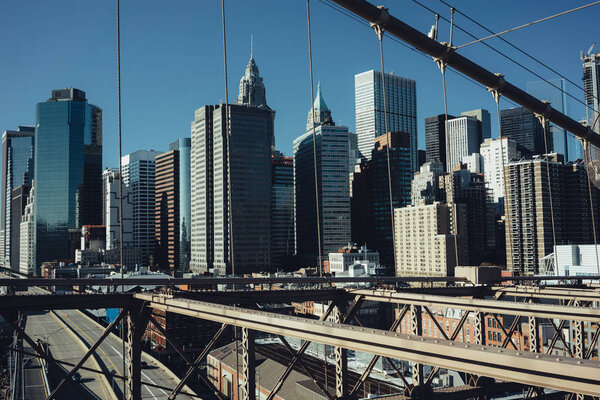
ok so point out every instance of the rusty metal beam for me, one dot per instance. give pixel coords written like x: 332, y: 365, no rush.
x: 482, y: 305
x: 562, y: 374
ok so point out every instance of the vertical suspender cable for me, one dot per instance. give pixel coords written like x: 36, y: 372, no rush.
x: 229, y: 197
x: 442, y: 66
x: 380, y: 32
x: 588, y: 156
x: 544, y: 123
x: 507, y: 225
x: 120, y: 185
x: 314, y: 140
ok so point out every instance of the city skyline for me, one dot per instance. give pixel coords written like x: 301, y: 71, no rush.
x: 171, y: 88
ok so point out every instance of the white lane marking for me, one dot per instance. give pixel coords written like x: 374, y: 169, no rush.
x: 145, y: 376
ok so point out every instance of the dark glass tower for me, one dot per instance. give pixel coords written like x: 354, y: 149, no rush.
x: 68, y: 172
x: 17, y: 170
x: 435, y: 138
x: 520, y: 125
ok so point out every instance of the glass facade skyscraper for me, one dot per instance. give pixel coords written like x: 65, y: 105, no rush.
x: 17, y: 170
x: 401, y: 100
x: 522, y: 126
x: 333, y: 144
x: 282, y: 209
x: 563, y: 143
x: 68, y: 171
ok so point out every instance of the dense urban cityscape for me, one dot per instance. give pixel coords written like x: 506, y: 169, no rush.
x: 368, y: 230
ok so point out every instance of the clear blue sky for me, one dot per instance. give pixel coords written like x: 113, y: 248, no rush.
x: 172, y: 59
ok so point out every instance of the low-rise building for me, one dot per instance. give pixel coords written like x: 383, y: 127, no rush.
x: 347, y: 256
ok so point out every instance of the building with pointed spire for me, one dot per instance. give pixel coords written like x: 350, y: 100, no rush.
x: 251, y: 138
x: 333, y: 146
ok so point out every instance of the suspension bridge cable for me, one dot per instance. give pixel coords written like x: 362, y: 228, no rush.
x: 544, y: 127
x: 380, y: 33
x: 229, y: 194
x: 120, y: 184
x: 314, y: 137
x: 518, y: 49
x: 529, y: 24
x: 508, y: 224
x: 343, y: 11
x: 506, y: 56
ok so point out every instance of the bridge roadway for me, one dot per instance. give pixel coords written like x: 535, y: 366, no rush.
x: 63, y: 346
x: 111, y: 358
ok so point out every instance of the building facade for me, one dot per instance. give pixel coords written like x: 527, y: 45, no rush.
x: 496, y: 153
x: 184, y: 147
x: 425, y: 187
x: 167, y: 211
x: 530, y: 215
x: 332, y: 158
x: 68, y: 171
x: 463, y: 139
x: 110, y: 184
x: 17, y: 170
x: 401, y: 99
x: 591, y: 84
x: 435, y: 138
x: 483, y: 116
x: 251, y: 140
x: 522, y: 126
x: 27, y: 263
x: 139, y: 175
x: 282, y: 209
x: 425, y: 239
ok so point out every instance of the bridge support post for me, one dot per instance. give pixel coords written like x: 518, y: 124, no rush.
x: 248, y: 364
x: 479, y: 328
x: 137, y: 319
x: 534, y: 345
x: 341, y: 362
x: 578, y: 342
x: 416, y: 329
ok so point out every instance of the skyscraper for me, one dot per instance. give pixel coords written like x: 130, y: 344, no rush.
x: 483, y: 116
x: 251, y: 139
x: 282, y: 209
x: 425, y: 239
x: 110, y: 184
x: 139, y: 174
x: 463, y: 139
x: 27, y: 234
x: 435, y: 138
x: 17, y: 170
x: 401, y: 101
x: 493, y: 151
x: 68, y: 169
x: 591, y: 84
x: 530, y: 216
x: 332, y: 157
x: 522, y: 126
x: 167, y: 210
x: 184, y: 146
x: 563, y: 142
x: 379, y: 214
x: 425, y: 188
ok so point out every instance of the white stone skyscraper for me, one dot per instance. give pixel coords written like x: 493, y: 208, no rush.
x: 333, y: 144
x: 251, y: 140
x: 401, y: 100
x: 463, y: 139
x: 139, y: 170
x: 492, y: 151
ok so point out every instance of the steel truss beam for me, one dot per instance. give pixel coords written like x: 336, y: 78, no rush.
x: 248, y: 365
x: 92, y: 349
x: 296, y: 357
x: 64, y: 301
x: 557, y: 293
x: 487, y: 306
x: 373, y: 361
x: 447, y: 54
x: 191, y: 370
x: 567, y: 374
x: 182, y: 354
